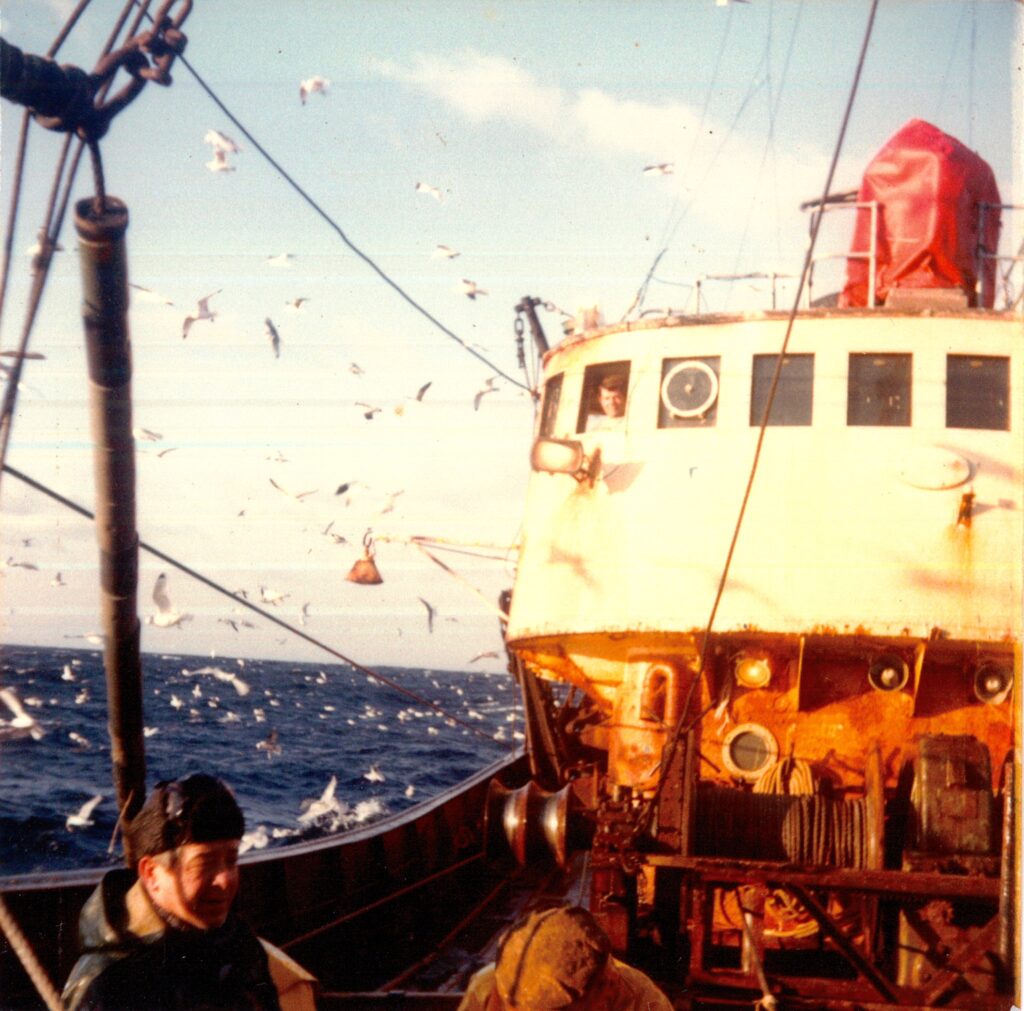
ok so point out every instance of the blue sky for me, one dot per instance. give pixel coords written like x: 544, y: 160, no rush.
x: 535, y: 120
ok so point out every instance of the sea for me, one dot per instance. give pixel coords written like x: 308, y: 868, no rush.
x: 310, y: 750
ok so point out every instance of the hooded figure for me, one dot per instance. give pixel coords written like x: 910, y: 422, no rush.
x: 166, y: 936
x: 560, y: 960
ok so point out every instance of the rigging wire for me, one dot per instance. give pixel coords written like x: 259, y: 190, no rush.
x: 334, y: 226
x: 224, y: 591
x: 682, y: 726
x: 52, y: 221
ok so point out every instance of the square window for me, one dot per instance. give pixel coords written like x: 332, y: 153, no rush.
x: 605, y: 392
x: 549, y: 408
x: 689, y: 392
x: 878, y: 390
x: 793, y: 395
x: 977, y: 392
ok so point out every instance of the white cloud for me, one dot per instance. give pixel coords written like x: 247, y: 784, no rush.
x: 484, y: 87
x: 719, y: 174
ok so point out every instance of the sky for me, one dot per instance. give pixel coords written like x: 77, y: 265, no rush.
x: 534, y: 120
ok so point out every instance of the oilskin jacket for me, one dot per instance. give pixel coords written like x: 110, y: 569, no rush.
x: 620, y: 987
x: 132, y: 960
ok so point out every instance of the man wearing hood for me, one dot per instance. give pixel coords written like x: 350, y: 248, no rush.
x: 166, y: 937
x: 560, y: 960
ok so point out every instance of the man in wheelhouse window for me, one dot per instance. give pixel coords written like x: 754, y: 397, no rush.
x: 609, y: 410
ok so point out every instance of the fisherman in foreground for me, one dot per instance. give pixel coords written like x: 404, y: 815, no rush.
x: 167, y: 938
x: 560, y: 960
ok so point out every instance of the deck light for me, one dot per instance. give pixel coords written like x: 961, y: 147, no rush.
x: 888, y: 673
x: 752, y: 670
x: 992, y: 683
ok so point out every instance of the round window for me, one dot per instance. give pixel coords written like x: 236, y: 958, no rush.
x: 689, y: 389
x: 749, y: 750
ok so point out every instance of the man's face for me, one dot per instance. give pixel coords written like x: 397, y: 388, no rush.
x: 612, y: 402
x: 198, y: 885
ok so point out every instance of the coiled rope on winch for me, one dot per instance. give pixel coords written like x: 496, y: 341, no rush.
x: 804, y: 829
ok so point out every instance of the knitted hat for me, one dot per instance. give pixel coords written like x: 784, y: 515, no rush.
x: 549, y: 959
x: 198, y: 809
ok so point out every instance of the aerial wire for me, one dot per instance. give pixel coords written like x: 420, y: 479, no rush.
x: 334, y: 226
x: 684, y: 724
x: 266, y: 615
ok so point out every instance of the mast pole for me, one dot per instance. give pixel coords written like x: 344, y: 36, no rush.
x: 101, y: 224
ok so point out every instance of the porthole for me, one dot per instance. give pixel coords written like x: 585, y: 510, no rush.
x: 748, y: 750
x: 689, y: 389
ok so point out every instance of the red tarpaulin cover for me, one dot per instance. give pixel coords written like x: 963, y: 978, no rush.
x: 928, y: 186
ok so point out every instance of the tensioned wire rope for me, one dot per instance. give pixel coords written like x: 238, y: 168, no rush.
x: 81, y: 510
x: 684, y: 724
x: 335, y: 227
x: 244, y: 602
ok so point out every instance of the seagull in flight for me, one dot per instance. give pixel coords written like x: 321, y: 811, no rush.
x: 313, y: 86
x: 369, y: 411
x: 374, y: 775
x: 268, y: 596
x: 355, y: 369
x: 486, y: 654
x: 423, y: 389
x: 269, y: 745
x: 148, y: 295
x: 430, y: 191
x: 442, y: 252
x: 431, y: 611
x: 203, y: 311
x: 488, y: 387
x: 167, y: 616
x: 12, y: 564
x: 298, y: 496
x: 274, y: 336
x: 58, y: 580
x: 296, y: 303
x: 220, y: 163
x: 82, y: 818
x: 220, y: 142
x: 665, y: 168
x: 22, y: 723
x: 470, y: 289
x: 146, y: 434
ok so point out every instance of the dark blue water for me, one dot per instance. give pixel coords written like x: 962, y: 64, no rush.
x: 330, y: 721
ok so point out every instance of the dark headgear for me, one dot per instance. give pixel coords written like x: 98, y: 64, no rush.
x: 198, y: 809
x: 549, y: 959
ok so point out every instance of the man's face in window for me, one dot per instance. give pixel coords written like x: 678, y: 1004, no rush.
x: 611, y: 402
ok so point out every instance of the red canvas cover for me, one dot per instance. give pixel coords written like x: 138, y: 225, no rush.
x: 928, y: 186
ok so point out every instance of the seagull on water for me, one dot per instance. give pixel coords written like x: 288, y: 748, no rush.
x: 202, y: 312
x: 273, y: 336
x: 470, y: 289
x: 430, y: 191
x: 312, y: 86
x: 82, y: 818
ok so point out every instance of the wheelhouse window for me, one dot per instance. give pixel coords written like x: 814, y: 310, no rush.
x: 977, y: 392
x: 549, y: 406
x: 689, y: 392
x: 793, y: 401
x: 605, y: 392
x: 878, y: 390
